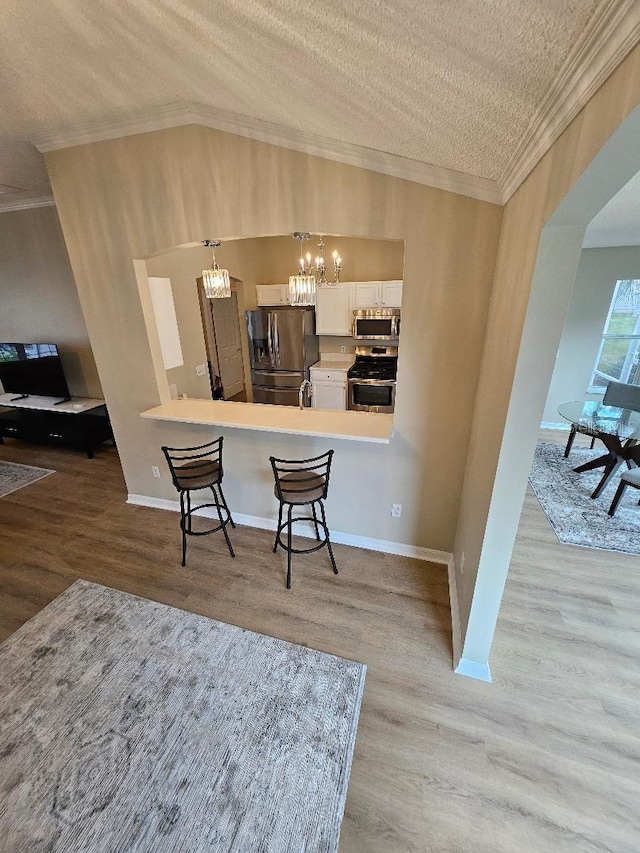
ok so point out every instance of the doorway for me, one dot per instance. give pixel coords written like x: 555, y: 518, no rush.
x: 223, y: 342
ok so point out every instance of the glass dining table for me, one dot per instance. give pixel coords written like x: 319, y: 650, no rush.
x: 618, y: 429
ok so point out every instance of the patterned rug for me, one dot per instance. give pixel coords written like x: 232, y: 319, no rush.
x: 575, y: 517
x: 132, y: 726
x: 14, y: 476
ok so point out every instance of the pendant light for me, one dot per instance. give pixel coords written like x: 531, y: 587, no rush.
x: 215, y: 281
x: 302, y: 285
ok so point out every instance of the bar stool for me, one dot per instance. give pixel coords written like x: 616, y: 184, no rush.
x: 195, y: 468
x: 298, y: 483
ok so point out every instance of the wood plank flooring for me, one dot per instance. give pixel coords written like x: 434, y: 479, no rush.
x: 545, y: 759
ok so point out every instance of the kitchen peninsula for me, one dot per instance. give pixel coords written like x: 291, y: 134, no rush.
x: 353, y: 426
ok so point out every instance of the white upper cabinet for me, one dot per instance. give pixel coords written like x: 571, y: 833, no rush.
x: 272, y: 294
x: 334, y: 311
x: 391, y: 294
x: 377, y: 294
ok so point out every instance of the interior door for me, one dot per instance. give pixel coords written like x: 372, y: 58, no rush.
x: 228, y: 344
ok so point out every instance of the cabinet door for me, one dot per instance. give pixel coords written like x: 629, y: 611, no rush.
x: 391, y: 294
x: 333, y: 310
x: 366, y: 294
x: 272, y: 294
x: 329, y: 395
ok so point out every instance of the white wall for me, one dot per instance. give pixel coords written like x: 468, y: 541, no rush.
x: 598, y: 271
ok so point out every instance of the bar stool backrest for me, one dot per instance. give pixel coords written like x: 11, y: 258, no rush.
x: 305, y: 472
x: 623, y: 395
x: 192, y: 464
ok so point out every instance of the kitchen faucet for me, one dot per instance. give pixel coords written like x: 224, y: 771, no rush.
x: 303, y: 387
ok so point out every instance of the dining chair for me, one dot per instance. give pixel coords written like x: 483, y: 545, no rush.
x: 623, y: 395
x: 302, y: 483
x: 192, y: 469
x: 627, y: 478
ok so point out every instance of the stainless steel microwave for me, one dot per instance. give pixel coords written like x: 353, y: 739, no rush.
x: 376, y: 324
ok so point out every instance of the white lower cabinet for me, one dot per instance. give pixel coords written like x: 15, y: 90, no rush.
x: 329, y: 389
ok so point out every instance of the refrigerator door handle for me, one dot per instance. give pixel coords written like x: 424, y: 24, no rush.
x: 276, y: 340
x: 270, y: 339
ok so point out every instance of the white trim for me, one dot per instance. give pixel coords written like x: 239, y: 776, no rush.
x: 42, y: 201
x: 551, y: 425
x: 180, y: 114
x: 473, y: 669
x: 456, y: 634
x: 611, y: 34
x: 462, y: 666
x: 385, y: 546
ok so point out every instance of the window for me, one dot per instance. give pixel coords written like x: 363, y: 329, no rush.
x: 619, y: 353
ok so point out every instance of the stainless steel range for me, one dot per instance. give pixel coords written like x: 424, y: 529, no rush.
x: 372, y: 379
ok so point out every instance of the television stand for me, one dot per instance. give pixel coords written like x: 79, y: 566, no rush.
x: 79, y: 422
x: 19, y: 397
x: 64, y: 400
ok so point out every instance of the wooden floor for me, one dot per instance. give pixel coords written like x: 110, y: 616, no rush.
x: 545, y: 759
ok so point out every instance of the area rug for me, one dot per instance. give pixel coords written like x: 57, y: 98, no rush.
x: 14, y: 476
x: 575, y: 517
x: 127, y: 725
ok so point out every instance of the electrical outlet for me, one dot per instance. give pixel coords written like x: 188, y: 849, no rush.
x: 396, y: 510
x: 343, y: 349
x: 155, y: 470
x: 461, y: 562
x: 201, y: 369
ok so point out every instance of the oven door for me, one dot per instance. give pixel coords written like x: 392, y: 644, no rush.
x: 372, y: 395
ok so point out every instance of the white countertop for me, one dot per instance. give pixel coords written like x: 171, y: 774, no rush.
x: 74, y: 406
x: 354, y: 426
x: 330, y: 364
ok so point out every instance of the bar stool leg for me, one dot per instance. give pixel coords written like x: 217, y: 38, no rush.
x: 289, y: 547
x: 279, y: 525
x: 326, y: 530
x: 224, y: 504
x: 183, y: 524
x: 315, y: 520
x: 222, y: 523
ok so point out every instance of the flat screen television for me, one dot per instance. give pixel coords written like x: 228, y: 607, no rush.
x: 32, y: 370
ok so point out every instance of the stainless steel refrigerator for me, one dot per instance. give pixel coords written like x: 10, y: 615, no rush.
x: 282, y: 346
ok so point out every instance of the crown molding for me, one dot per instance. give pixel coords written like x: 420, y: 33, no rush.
x: 176, y: 115
x: 611, y: 34
x: 27, y: 203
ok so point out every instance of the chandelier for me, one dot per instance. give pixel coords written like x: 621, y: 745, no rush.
x: 302, y: 286
x: 215, y: 281
x: 321, y: 269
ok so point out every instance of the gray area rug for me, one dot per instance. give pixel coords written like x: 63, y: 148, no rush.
x: 127, y: 725
x: 575, y: 517
x: 14, y: 476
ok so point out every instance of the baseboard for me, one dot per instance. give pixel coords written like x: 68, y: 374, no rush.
x: 462, y: 666
x: 456, y: 635
x: 551, y: 425
x: 385, y: 546
x: 473, y: 669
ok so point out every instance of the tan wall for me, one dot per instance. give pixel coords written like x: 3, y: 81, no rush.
x: 38, y: 297
x: 137, y: 196
x: 525, y: 215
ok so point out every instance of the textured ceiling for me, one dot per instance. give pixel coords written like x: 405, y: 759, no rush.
x: 453, y: 83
